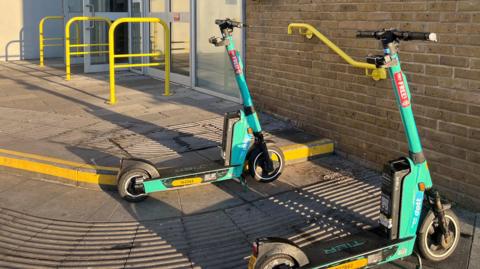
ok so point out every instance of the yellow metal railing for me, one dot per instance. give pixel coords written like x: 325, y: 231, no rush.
x: 309, y: 31
x: 113, y: 56
x: 68, y: 46
x: 42, y: 37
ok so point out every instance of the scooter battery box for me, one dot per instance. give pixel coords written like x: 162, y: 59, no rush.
x: 229, y: 120
x: 394, y: 172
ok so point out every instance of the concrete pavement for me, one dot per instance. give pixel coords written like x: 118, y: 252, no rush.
x: 48, y: 122
x: 66, y: 131
x: 48, y: 224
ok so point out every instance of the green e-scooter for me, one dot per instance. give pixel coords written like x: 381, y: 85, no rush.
x: 244, y: 150
x: 411, y: 212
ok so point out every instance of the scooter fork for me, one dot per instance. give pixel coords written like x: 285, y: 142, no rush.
x: 439, y: 211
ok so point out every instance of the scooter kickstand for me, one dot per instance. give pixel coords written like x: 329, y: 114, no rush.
x: 242, y: 182
x: 419, y: 259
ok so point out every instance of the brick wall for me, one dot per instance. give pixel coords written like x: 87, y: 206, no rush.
x: 307, y: 83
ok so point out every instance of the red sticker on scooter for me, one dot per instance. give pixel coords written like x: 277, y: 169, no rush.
x: 402, y: 89
x: 236, y: 64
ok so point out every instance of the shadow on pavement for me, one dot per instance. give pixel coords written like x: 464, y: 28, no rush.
x: 340, y: 198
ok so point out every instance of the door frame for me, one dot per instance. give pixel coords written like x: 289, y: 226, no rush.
x: 67, y: 15
x: 88, y: 67
x: 142, y: 33
x: 167, y: 17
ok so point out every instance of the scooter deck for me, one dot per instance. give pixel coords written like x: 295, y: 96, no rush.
x: 181, y: 178
x: 176, y: 171
x: 350, y: 248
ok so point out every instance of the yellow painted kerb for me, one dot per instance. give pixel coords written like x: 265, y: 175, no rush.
x: 56, y: 161
x: 300, y: 151
x: 73, y: 170
x: 53, y: 170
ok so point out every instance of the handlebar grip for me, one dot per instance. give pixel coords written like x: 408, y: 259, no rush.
x: 401, y: 35
x: 424, y: 36
x: 415, y: 35
x: 366, y: 34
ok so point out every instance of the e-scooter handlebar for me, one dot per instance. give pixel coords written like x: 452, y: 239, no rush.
x: 226, y: 27
x: 398, y: 35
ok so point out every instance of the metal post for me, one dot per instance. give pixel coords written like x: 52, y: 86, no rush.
x: 111, y: 61
x: 40, y: 40
x: 166, y: 31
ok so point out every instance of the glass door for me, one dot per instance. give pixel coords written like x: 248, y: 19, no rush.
x: 136, y: 36
x: 213, y: 69
x: 176, y: 13
x: 96, y: 32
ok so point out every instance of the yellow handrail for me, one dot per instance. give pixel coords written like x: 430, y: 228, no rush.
x: 309, y: 31
x: 112, y: 55
x: 68, y: 46
x: 42, y: 38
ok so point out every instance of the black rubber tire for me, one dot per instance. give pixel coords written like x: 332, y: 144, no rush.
x: 124, y: 185
x: 276, y: 261
x: 256, y: 158
x: 427, y: 231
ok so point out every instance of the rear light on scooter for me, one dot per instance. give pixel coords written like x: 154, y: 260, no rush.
x: 255, y: 249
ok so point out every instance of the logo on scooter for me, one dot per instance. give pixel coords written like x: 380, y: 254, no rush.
x: 236, y: 64
x: 418, y: 208
x: 347, y: 245
x: 402, y: 90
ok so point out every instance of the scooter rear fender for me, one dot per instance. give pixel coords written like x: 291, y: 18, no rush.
x: 134, y: 163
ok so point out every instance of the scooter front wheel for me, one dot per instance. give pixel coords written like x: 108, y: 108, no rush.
x: 432, y: 243
x: 129, y: 187
x: 257, y: 164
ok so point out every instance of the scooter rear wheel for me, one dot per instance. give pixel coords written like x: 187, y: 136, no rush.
x: 126, y: 185
x: 430, y: 240
x: 256, y: 165
x: 276, y: 261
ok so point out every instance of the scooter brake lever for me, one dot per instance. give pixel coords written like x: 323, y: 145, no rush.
x: 216, y: 41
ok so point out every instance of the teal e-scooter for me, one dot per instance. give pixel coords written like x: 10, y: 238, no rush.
x: 244, y: 150
x: 411, y: 212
